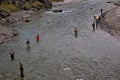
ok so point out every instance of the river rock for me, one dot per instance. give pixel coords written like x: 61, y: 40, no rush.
x: 4, y: 13
x: 47, y: 3
x: 15, y: 32
x: 11, y: 20
x: 26, y: 18
x: 19, y: 4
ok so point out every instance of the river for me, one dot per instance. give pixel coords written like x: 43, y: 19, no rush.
x: 59, y: 55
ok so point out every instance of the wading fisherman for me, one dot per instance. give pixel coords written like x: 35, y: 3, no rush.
x: 28, y: 43
x: 12, y: 54
x: 21, y: 71
x: 76, y: 32
x: 101, y: 10
x: 93, y: 25
x: 37, y: 37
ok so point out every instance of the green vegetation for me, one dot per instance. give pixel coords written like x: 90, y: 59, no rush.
x: 27, y: 6
x: 8, y: 7
x: 3, y: 22
x: 38, y: 4
x: 57, y: 0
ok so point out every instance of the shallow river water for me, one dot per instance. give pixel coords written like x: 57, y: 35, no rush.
x: 59, y: 55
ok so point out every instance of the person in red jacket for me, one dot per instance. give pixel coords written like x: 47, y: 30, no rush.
x: 38, y: 37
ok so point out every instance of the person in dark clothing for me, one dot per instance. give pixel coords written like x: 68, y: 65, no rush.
x: 94, y: 18
x: 93, y: 25
x: 101, y: 11
x: 21, y: 71
x: 21, y: 67
x: 76, y: 32
x: 12, y: 55
x: 28, y: 43
x: 97, y: 24
x: 21, y: 75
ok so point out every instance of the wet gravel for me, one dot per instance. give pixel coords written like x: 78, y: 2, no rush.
x: 59, y: 55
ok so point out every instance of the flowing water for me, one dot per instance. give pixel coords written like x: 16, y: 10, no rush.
x: 59, y: 55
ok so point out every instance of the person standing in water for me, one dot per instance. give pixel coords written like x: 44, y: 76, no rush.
x: 101, y: 10
x: 97, y: 21
x: 37, y: 37
x: 11, y: 55
x: 93, y: 25
x: 28, y: 43
x: 21, y: 71
x: 102, y: 13
x: 76, y: 32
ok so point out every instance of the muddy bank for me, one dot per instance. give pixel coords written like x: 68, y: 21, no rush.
x: 111, y: 22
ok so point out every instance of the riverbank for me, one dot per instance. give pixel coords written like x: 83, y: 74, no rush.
x: 111, y: 22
